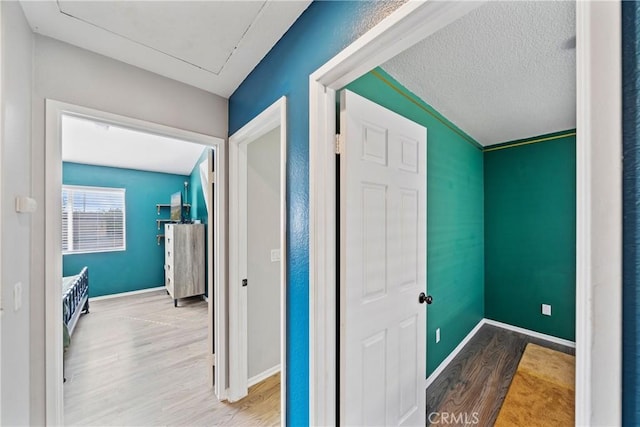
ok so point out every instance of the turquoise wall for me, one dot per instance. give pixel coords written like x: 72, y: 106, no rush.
x: 455, y: 216
x: 530, y: 234
x: 323, y: 30
x: 199, y: 208
x: 141, y: 266
x: 196, y: 197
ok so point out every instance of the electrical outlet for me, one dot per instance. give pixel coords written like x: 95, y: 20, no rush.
x: 437, y: 335
x: 546, y: 309
x: 17, y: 296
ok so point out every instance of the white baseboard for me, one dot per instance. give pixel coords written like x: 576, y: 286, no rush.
x: 125, y: 294
x: 263, y: 375
x: 486, y: 321
x: 531, y: 333
x: 453, y: 354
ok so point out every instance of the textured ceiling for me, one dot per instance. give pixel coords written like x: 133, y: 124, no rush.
x: 93, y: 143
x: 212, y: 45
x: 503, y: 72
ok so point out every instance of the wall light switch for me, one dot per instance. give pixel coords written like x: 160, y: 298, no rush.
x: 437, y: 335
x: 546, y: 309
x: 275, y: 255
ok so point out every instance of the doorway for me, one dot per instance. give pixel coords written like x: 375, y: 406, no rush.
x: 56, y: 112
x: 369, y: 52
x: 257, y: 247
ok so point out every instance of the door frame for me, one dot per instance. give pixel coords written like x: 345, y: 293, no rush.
x: 271, y: 118
x: 53, y: 354
x: 598, y: 204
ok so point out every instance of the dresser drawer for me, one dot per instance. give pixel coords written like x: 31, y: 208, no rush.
x: 169, y: 282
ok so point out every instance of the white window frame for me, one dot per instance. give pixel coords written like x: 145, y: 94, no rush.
x: 96, y: 189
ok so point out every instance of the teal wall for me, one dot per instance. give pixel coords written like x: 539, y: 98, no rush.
x: 196, y: 197
x: 141, y: 266
x: 530, y: 220
x: 199, y: 208
x: 455, y: 216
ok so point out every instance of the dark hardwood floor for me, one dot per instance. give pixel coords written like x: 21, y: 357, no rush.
x: 471, y: 389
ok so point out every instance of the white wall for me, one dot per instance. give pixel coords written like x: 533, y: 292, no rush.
x: 16, y: 87
x: 263, y: 229
x: 73, y: 75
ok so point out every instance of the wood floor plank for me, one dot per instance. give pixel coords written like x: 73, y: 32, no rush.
x: 140, y: 361
x: 476, y: 382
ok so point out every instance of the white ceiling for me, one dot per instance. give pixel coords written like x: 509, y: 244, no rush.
x: 212, y: 45
x: 503, y: 72
x: 93, y: 143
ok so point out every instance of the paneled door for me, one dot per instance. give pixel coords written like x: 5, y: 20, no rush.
x: 382, y: 265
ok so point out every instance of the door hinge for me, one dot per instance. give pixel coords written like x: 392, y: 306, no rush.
x: 338, y: 143
x: 213, y: 177
x: 245, y: 282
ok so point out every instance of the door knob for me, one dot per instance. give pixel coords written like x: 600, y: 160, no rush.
x: 422, y: 298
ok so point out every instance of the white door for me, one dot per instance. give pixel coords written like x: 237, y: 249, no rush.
x: 382, y: 266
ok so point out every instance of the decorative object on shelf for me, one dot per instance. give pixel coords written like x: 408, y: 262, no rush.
x: 160, y: 207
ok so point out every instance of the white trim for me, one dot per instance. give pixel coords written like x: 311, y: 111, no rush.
x: 529, y: 332
x: 53, y: 250
x: 263, y: 375
x: 271, y: 118
x: 441, y: 367
x: 598, y: 255
x: 2, y: 132
x: 599, y: 214
x: 125, y: 294
x: 409, y: 24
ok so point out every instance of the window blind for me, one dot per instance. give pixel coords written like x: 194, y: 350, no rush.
x: 93, y: 219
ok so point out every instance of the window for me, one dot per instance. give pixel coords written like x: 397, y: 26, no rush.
x: 93, y: 219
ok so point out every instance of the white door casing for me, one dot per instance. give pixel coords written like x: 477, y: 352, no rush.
x: 271, y: 118
x: 53, y: 247
x: 383, y: 265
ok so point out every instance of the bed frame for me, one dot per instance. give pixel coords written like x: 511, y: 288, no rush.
x: 75, y: 300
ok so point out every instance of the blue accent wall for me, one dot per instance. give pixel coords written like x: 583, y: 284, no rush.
x: 196, y: 197
x: 141, y: 265
x: 320, y: 33
x: 198, y: 209
x: 631, y: 213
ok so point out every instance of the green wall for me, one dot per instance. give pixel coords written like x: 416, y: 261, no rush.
x: 141, y: 265
x: 530, y: 219
x: 455, y: 216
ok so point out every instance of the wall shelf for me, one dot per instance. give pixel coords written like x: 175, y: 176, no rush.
x: 159, y: 206
x: 159, y: 222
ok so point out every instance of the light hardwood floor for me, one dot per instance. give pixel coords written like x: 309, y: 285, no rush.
x: 137, y: 360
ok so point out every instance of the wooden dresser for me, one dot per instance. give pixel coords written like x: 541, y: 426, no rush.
x: 184, y: 260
